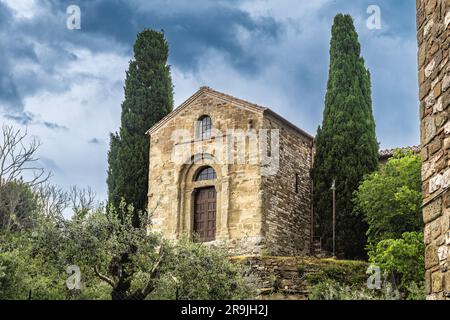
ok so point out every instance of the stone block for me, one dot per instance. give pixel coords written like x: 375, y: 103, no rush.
x: 434, y: 146
x: 435, y: 227
x: 447, y: 281
x: 432, y: 210
x: 429, y: 69
x: 431, y: 257
x: 446, y: 198
x: 428, y: 282
x: 437, y: 282
x: 428, y: 130
x: 445, y: 82
x: 427, y: 234
x: 424, y: 151
x: 442, y: 252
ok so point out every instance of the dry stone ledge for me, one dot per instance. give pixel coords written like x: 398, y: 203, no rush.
x: 287, y: 278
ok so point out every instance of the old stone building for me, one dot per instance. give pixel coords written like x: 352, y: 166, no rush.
x: 229, y: 172
x: 433, y: 24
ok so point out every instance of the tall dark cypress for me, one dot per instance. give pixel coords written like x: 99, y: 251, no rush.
x: 148, y: 98
x: 346, y: 144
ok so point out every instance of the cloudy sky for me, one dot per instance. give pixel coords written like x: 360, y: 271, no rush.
x: 66, y: 86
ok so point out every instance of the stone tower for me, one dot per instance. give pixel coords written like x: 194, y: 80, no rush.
x: 433, y: 25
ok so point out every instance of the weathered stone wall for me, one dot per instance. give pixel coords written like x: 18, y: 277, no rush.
x: 433, y: 25
x: 257, y: 206
x: 287, y: 194
x: 171, y: 185
x: 291, y: 278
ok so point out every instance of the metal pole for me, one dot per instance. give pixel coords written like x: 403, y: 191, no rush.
x: 334, y: 222
x: 333, y: 187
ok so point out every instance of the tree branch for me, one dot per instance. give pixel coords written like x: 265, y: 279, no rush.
x: 104, y: 278
x: 154, y: 273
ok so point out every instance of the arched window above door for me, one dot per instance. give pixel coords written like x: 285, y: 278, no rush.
x: 205, y: 173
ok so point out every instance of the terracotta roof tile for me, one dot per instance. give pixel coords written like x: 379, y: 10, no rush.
x: 387, y: 153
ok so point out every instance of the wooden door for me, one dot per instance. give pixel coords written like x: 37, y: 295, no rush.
x: 205, y: 214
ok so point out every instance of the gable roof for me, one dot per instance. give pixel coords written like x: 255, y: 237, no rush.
x: 241, y: 103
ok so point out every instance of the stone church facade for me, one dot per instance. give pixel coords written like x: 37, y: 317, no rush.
x: 228, y: 172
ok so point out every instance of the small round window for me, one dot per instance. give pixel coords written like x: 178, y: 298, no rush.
x: 205, y: 173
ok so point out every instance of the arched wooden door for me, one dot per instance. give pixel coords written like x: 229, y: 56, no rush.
x: 205, y: 214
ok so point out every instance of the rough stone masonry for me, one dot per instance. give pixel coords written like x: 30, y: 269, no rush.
x: 433, y: 35
x: 253, y: 206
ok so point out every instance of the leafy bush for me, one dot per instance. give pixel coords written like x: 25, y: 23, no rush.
x: 116, y: 260
x: 344, y: 272
x: 390, y: 199
x: 404, y: 258
x: 333, y: 290
x: 18, y: 206
x: 416, y: 291
x: 194, y: 271
x: 25, y: 274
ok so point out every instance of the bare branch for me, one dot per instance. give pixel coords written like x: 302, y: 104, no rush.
x: 82, y: 199
x: 52, y: 199
x: 17, y: 158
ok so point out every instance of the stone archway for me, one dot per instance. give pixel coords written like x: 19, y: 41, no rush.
x: 188, y: 188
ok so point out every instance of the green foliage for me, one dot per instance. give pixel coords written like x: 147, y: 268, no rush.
x: 416, y: 291
x: 25, y: 274
x: 117, y: 261
x: 196, y: 272
x: 301, y: 270
x: 334, y: 290
x: 390, y: 199
x: 404, y: 258
x: 349, y: 273
x: 18, y: 206
x: 148, y: 98
x: 106, y: 246
x: 346, y: 145
x: 348, y: 280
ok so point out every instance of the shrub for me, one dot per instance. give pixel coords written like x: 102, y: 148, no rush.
x: 18, y: 206
x: 25, y: 274
x: 333, y: 290
x: 404, y: 258
x: 36, y: 260
x: 390, y: 199
x: 344, y: 272
x: 194, y: 271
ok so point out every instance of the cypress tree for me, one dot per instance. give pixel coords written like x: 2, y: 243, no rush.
x: 148, y: 98
x: 346, y: 144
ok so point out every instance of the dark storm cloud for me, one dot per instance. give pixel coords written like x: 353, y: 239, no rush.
x: 94, y: 141
x: 189, y: 35
x: 18, y: 47
x: 189, y: 32
x: 49, y: 164
x: 9, y: 95
x: 196, y: 28
x: 54, y: 126
x: 390, y: 55
x: 24, y: 118
x: 192, y: 36
x: 27, y: 118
